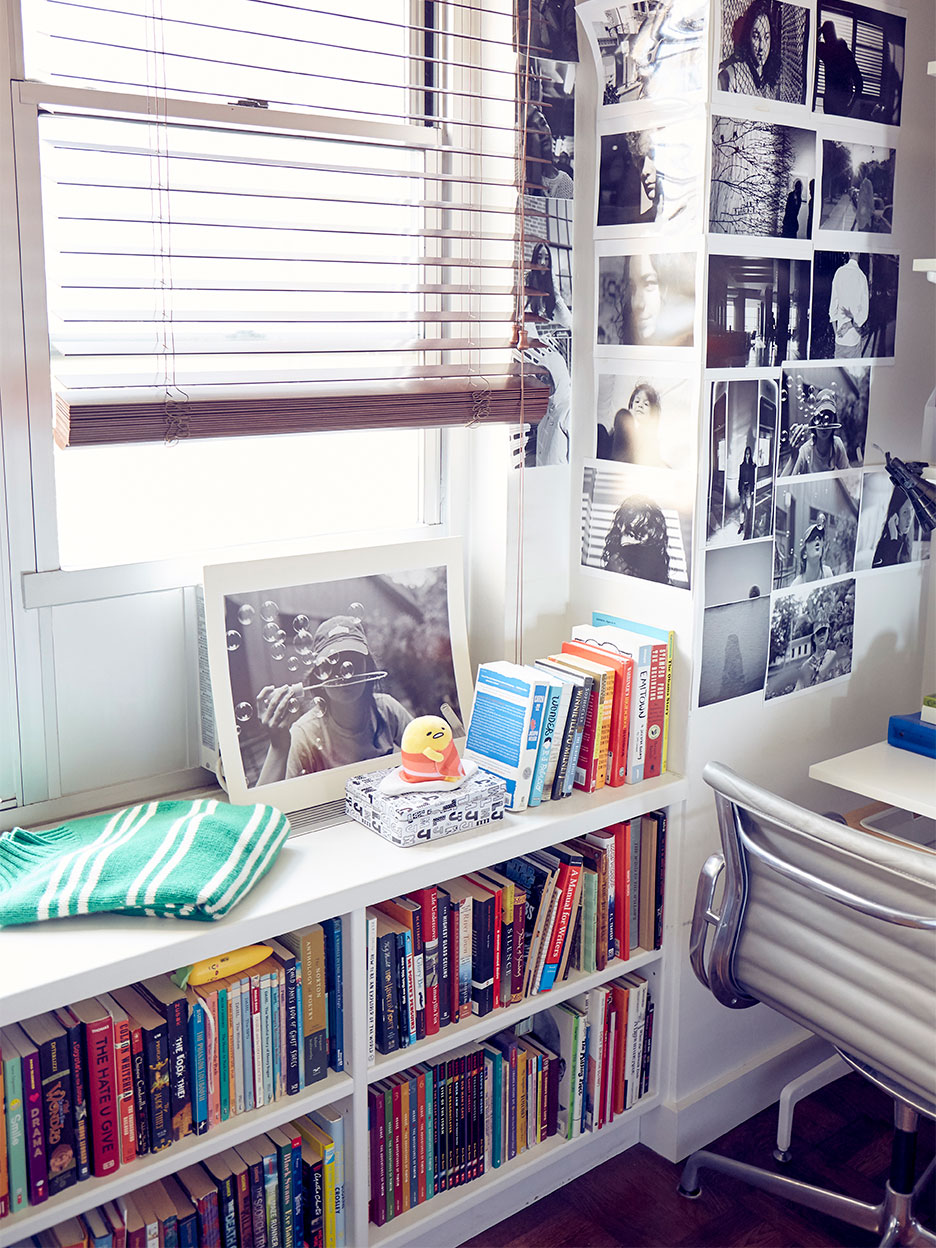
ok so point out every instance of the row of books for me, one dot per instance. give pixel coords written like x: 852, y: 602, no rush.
x: 595, y: 713
x: 572, y: 1068
x: 94, y: 1085
x: 282, y: 1189
x: 492, y: 938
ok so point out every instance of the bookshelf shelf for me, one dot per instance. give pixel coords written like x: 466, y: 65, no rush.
x: 477, y: 1205
x: 337, y: 871
x: 183, y: 1153
x: 497, y: 1020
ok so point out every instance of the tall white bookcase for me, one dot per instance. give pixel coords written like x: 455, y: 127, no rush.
x: 340, y: 871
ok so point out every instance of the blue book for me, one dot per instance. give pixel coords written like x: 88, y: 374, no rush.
x: 292, y: 1041
x: 334, y: 978
x: 551, y: 702
x: 504, y: 731
x: 199, y: 1051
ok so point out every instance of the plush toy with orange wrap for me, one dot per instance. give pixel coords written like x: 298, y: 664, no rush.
x: 430, y: 761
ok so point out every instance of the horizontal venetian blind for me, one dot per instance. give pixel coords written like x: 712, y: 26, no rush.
x: 265, y: 217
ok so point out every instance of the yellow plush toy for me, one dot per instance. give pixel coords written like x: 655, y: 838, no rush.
x: 428, y: 752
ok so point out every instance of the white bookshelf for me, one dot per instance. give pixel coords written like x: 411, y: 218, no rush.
x: 337, y: 871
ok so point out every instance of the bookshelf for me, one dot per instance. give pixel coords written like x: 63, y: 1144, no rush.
x: 337, y: 871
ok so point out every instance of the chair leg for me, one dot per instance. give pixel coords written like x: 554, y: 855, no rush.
x: 916, y: 1236
x: 810, y: 1081
x: 855, y: 1212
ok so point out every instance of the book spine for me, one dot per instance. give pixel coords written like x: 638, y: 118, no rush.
x: 419, y: 975
x: 102, y: 1096
x: 371, y: 989
x: 224, y: 1053
x: 293, y: 1029
x: 199, y: 1068
x: 36, y: 1166
x: 316, y: 1006
x: 517, y: 966
x: 15, y: 1131
x: 268, y: 1039
x: 586, y: 769
x: 637, y: 740
x: 256, y: 1040
x: 378, y: 1162
x: 180, y: 1096
x: 244, y: 1216
x: 647, y: 1049
x: 55, y: 1070
x: 247, y: 1046
x: 552, y: 698
x: 445, y: 972
x: 235, y: 997
x: 465, y: 929
x: 402, y: 989
x: 258, y: 1204
x: 158, y: 1089
x: 656, y: 710
x: 660, y: 881
x: 455, y: 959
x: 79, y: 1098
x: 123, y: 1058
x: 568, y: 879
x: 386, y: 1035
x: 409, y: 983
x: 422, y: 1165
x: 334, y: 978
x: 568, y: 731
x: 138, y: 1059
x: 227, y: 1211
x: 482, y: 957
x: 284, y: 1162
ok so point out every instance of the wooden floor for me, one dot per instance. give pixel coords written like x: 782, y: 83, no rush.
x: 841, y: 1140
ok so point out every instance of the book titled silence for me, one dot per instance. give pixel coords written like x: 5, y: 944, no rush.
x: 506, y: 717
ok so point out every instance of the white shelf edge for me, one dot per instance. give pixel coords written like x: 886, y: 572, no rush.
x: 475, y: 1028
x: 445, y: 1206
x: 94, y: 1191
x: 931, y: 69
x: 924, y: 266
x: 316, y: 876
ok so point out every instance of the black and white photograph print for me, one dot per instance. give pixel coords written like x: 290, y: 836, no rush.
x: 550, y: 358
x: 811, y: 637
x: 735, y: 640
x: 647, y: 49
x: 550, y: 129
x: 547, y: 28
x: 320, y: 661
x: 764, y: 46
x: 763, y: 178
x: 857, y: 187
x: 854, y: 307
x: 645, y: 418
x: 648, y: 177
x: 647, y: 299
x: 815, y: 528
x: 859, y: 62
x: 823, y: 418
x: 738, y: 573
x: 638, y: 522
x: 888, y: 530
x: 547, y: 251
x: 758, y: 311
x: 742, y: 450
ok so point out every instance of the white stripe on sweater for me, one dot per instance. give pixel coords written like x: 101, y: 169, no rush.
x: 274, y: 823
x: 77, y: 861
x: 84, y: 897
x: 241, y: 885
x: 247, y: 831
x: 165, y: 848
x: 181, y: 849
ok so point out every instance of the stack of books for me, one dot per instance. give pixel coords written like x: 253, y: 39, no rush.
x: 482, y: 941
x: 594, y: 713
x: 283, y: 1189
x: 571, y: 1069
x: 90, y: 1087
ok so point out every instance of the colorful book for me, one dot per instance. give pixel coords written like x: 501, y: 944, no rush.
x: 504, y: 731
x: 123, y: 1060
x: 14, y: 1120
x: 79, y: 1092
x: 334, y: 986
x: 155, y: 1036
x: 97, y: 1030
x: 51, y: 1041
x: 170, y: 1001
x: 651, y: 634
x: 331, y: 1121
x: 548, y: 732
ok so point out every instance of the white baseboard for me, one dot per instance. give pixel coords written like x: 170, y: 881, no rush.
x: 675, y: 1129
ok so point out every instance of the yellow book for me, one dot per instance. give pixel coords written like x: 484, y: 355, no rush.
x: 324, y: 1146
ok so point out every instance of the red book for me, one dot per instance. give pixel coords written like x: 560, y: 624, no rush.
x: 620, y: 993
x: 134, y: 1221
x: 622, y: 887
x: 428, y: 904
x: 203, y: 1194
x: 623, y: 668
x: 607, y: 1056
x: 117, y: 1225
x: 123, y: 1058
x: 421, y: 1137
x: 378, y: 1157
x: 101, y: 1075
x: 656, y: 711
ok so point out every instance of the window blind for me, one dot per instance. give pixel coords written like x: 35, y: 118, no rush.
x: 270, y: 217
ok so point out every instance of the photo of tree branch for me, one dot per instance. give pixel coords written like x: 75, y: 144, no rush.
x: 763, y: 179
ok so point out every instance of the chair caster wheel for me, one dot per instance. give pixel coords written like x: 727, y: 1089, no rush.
x: 694, y: 1195
x: 782, y: 1155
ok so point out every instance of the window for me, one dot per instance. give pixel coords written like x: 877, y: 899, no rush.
x: 270, y: 219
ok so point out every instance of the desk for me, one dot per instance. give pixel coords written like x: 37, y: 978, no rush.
x: 897, y: 777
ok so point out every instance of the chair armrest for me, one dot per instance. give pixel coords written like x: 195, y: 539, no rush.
x: 703, y: 915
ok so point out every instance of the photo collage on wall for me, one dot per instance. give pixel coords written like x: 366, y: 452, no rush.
x: 549, y: 26
x: 638, y: 491
x: 801, y: 314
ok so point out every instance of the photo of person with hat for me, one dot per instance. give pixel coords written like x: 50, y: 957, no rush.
x: 336, y: 718
x: 823, y: 451
x: 812, y: 565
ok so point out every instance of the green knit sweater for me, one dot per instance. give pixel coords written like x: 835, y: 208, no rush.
x: 186, y: 860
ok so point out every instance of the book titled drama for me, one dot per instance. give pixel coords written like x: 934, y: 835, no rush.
x: 504, y: 732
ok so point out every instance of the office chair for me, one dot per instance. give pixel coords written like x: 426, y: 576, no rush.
x: 835, y: 928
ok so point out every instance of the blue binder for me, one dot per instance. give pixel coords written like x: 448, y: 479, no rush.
x: 910, y: 732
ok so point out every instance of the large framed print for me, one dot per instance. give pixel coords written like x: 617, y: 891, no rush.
x: 319, y: 661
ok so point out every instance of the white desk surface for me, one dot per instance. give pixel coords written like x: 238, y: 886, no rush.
x: 885, y: 773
